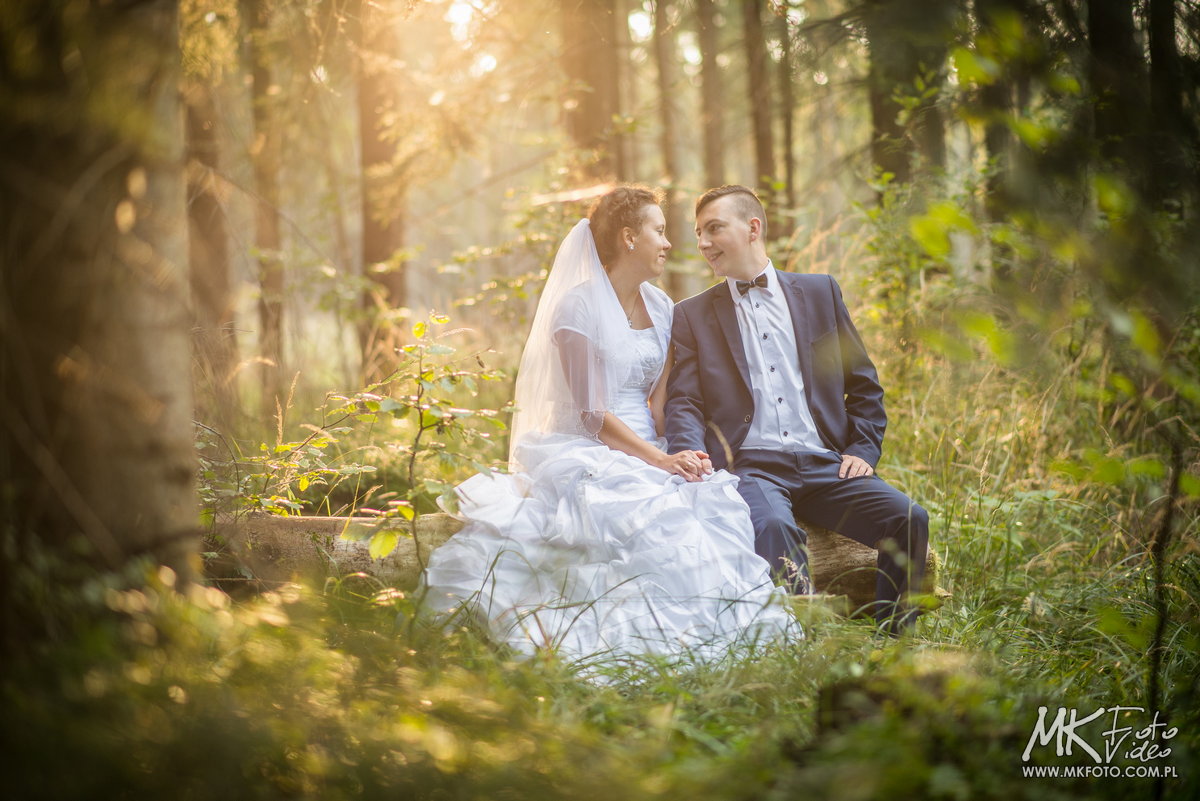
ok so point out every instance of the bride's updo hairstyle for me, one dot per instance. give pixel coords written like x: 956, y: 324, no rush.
x: 619, y: 209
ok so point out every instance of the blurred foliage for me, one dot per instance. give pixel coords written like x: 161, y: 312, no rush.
x: 349, y: 692
x: 413, y: 424
x: 1034, y: 318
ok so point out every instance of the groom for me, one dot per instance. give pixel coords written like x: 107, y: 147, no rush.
x: 771, y: 379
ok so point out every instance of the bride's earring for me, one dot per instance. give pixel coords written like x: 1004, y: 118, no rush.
x: 630, y: 246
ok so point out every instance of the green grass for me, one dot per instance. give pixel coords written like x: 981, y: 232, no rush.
x: 346, y: 691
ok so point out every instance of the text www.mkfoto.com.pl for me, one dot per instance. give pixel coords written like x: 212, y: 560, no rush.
x: 1099, y: 772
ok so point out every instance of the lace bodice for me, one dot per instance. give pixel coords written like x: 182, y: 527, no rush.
x: 631, y: 400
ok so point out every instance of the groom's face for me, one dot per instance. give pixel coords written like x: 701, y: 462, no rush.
x: 724, y: 237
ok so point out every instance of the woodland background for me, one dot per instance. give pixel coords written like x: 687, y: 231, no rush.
x: 280, y: 256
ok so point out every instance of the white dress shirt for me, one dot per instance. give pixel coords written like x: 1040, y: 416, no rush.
x: 782, y: 420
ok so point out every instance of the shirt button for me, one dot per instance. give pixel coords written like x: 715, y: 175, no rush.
x: 780, y: 400
x: 772, y: 368
x: 747, y: 418
x: 764, y: 336
x: 758, y: 305
x: 785, y: 433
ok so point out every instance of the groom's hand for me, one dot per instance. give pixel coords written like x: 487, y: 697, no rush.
x: 853, y: 467
x: 691, y: 465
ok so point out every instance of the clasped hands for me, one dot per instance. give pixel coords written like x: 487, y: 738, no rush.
x: 695, y: 465
x: 690, y: 465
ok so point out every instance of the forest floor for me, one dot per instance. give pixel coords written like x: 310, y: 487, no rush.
x: 1044, y: 512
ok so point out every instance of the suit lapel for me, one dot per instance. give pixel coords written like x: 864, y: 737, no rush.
x: 798, y: 308
x: 727, y: 317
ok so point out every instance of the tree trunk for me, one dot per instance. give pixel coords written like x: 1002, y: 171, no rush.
x: 908, y: 50
x: 214, y: 340
x: 1169, y: 170
x: 267, y: 239
x: 759, y: 86
x: 1117, y: 76
x: 589, y: 58
x: 665, y: 59
x: 787, y: 113
x: 95, y: 424
x: 345, y: 260
x: 625, y: 146
x: 712, y: 112
x: 383, y: 219
x: 1001, y: 100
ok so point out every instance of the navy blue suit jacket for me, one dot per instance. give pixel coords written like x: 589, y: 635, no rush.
x: 709, y: 403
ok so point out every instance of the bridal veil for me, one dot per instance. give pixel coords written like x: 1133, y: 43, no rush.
x: 580, y: 350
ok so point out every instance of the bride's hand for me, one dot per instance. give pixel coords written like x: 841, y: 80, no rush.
x: 691, y: 465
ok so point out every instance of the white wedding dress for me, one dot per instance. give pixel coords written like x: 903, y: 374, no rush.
x: 592, y: 552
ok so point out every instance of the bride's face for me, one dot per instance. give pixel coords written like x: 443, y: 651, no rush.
x: 650, y: 245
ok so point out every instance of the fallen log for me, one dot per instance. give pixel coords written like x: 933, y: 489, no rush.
x: 277, y: 549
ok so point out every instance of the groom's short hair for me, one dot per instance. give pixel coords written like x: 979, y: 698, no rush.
x: 746, y: 202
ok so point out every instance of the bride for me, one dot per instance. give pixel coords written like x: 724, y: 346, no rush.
x: 599, y: 542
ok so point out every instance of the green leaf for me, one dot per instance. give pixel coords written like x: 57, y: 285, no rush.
x: 1113, y: 195
x: 932, y: 230
x: 1033, y: 134
x: 1148, y: 466
x: 1137, y: 634
x: 419, y: 330
x: 973, y: 68
x: 383, y: 543
x: 1108, y: 470
x: 449, y: 501
x: 1122, y: 384
x: 1065, y: 83
x: 1000, y: 341
x: 1145, y: 336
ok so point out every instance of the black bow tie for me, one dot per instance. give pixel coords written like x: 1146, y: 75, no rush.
x: 744, y: 286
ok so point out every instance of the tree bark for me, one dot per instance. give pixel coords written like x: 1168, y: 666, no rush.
x: 214, y: 340
x: 589, y: 59
x: 95, y: 424
x: 1117, y: 75
x: 665, y: 60
x: 1001, y: 100
x: 1170, y: 171
x: 787, y: 113
x: 383, y: 213
x: 907, y: 50
x: 712, y: 115
x: 997, y: 102
x: 759, y: 86
x: 625, y: 148
x: 267, y: 232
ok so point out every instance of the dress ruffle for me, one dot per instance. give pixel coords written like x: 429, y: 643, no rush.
x: 594, y: 552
